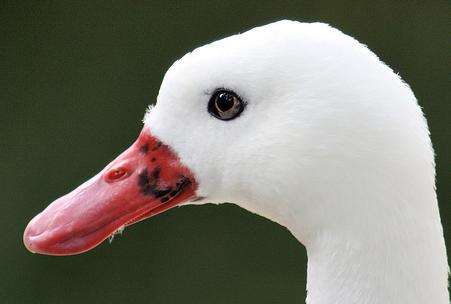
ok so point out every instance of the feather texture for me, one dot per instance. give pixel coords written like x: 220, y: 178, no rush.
x: 332, y: 144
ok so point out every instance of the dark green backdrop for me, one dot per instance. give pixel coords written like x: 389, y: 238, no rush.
x: 74, y: 82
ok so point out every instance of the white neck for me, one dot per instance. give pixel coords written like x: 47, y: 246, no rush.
x: 390, y: 255
x: 376, y: 239
x: 401, y: 261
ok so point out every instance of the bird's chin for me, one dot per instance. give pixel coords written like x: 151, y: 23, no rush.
x: 145, y: 180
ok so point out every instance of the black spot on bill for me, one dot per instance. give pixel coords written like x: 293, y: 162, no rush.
x: 157, y: 146
x: 144, y: 149
x: 148, y: 183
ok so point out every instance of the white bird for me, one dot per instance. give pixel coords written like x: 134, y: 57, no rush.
x: 296, y: 122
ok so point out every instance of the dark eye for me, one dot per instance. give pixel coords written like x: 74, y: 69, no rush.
x: 225, y: 105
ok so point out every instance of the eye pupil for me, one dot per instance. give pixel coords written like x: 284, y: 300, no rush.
x: 225, y: 101
x: 225, y: 105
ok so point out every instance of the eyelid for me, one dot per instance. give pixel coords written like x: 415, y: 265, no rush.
x: 211, y: 92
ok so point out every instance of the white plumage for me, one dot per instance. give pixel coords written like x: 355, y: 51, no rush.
x: 332, y: 144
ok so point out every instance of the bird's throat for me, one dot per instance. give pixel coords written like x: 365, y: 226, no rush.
x: 403, y: 265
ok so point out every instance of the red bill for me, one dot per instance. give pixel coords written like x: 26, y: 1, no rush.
x: 146, y: 179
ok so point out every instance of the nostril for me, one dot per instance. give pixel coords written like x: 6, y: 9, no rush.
x: 116, y: 174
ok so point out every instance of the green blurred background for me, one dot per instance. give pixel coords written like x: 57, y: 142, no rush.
x: 75, y: 80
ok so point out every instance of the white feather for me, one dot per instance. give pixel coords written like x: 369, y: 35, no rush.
x: 332, y: 145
